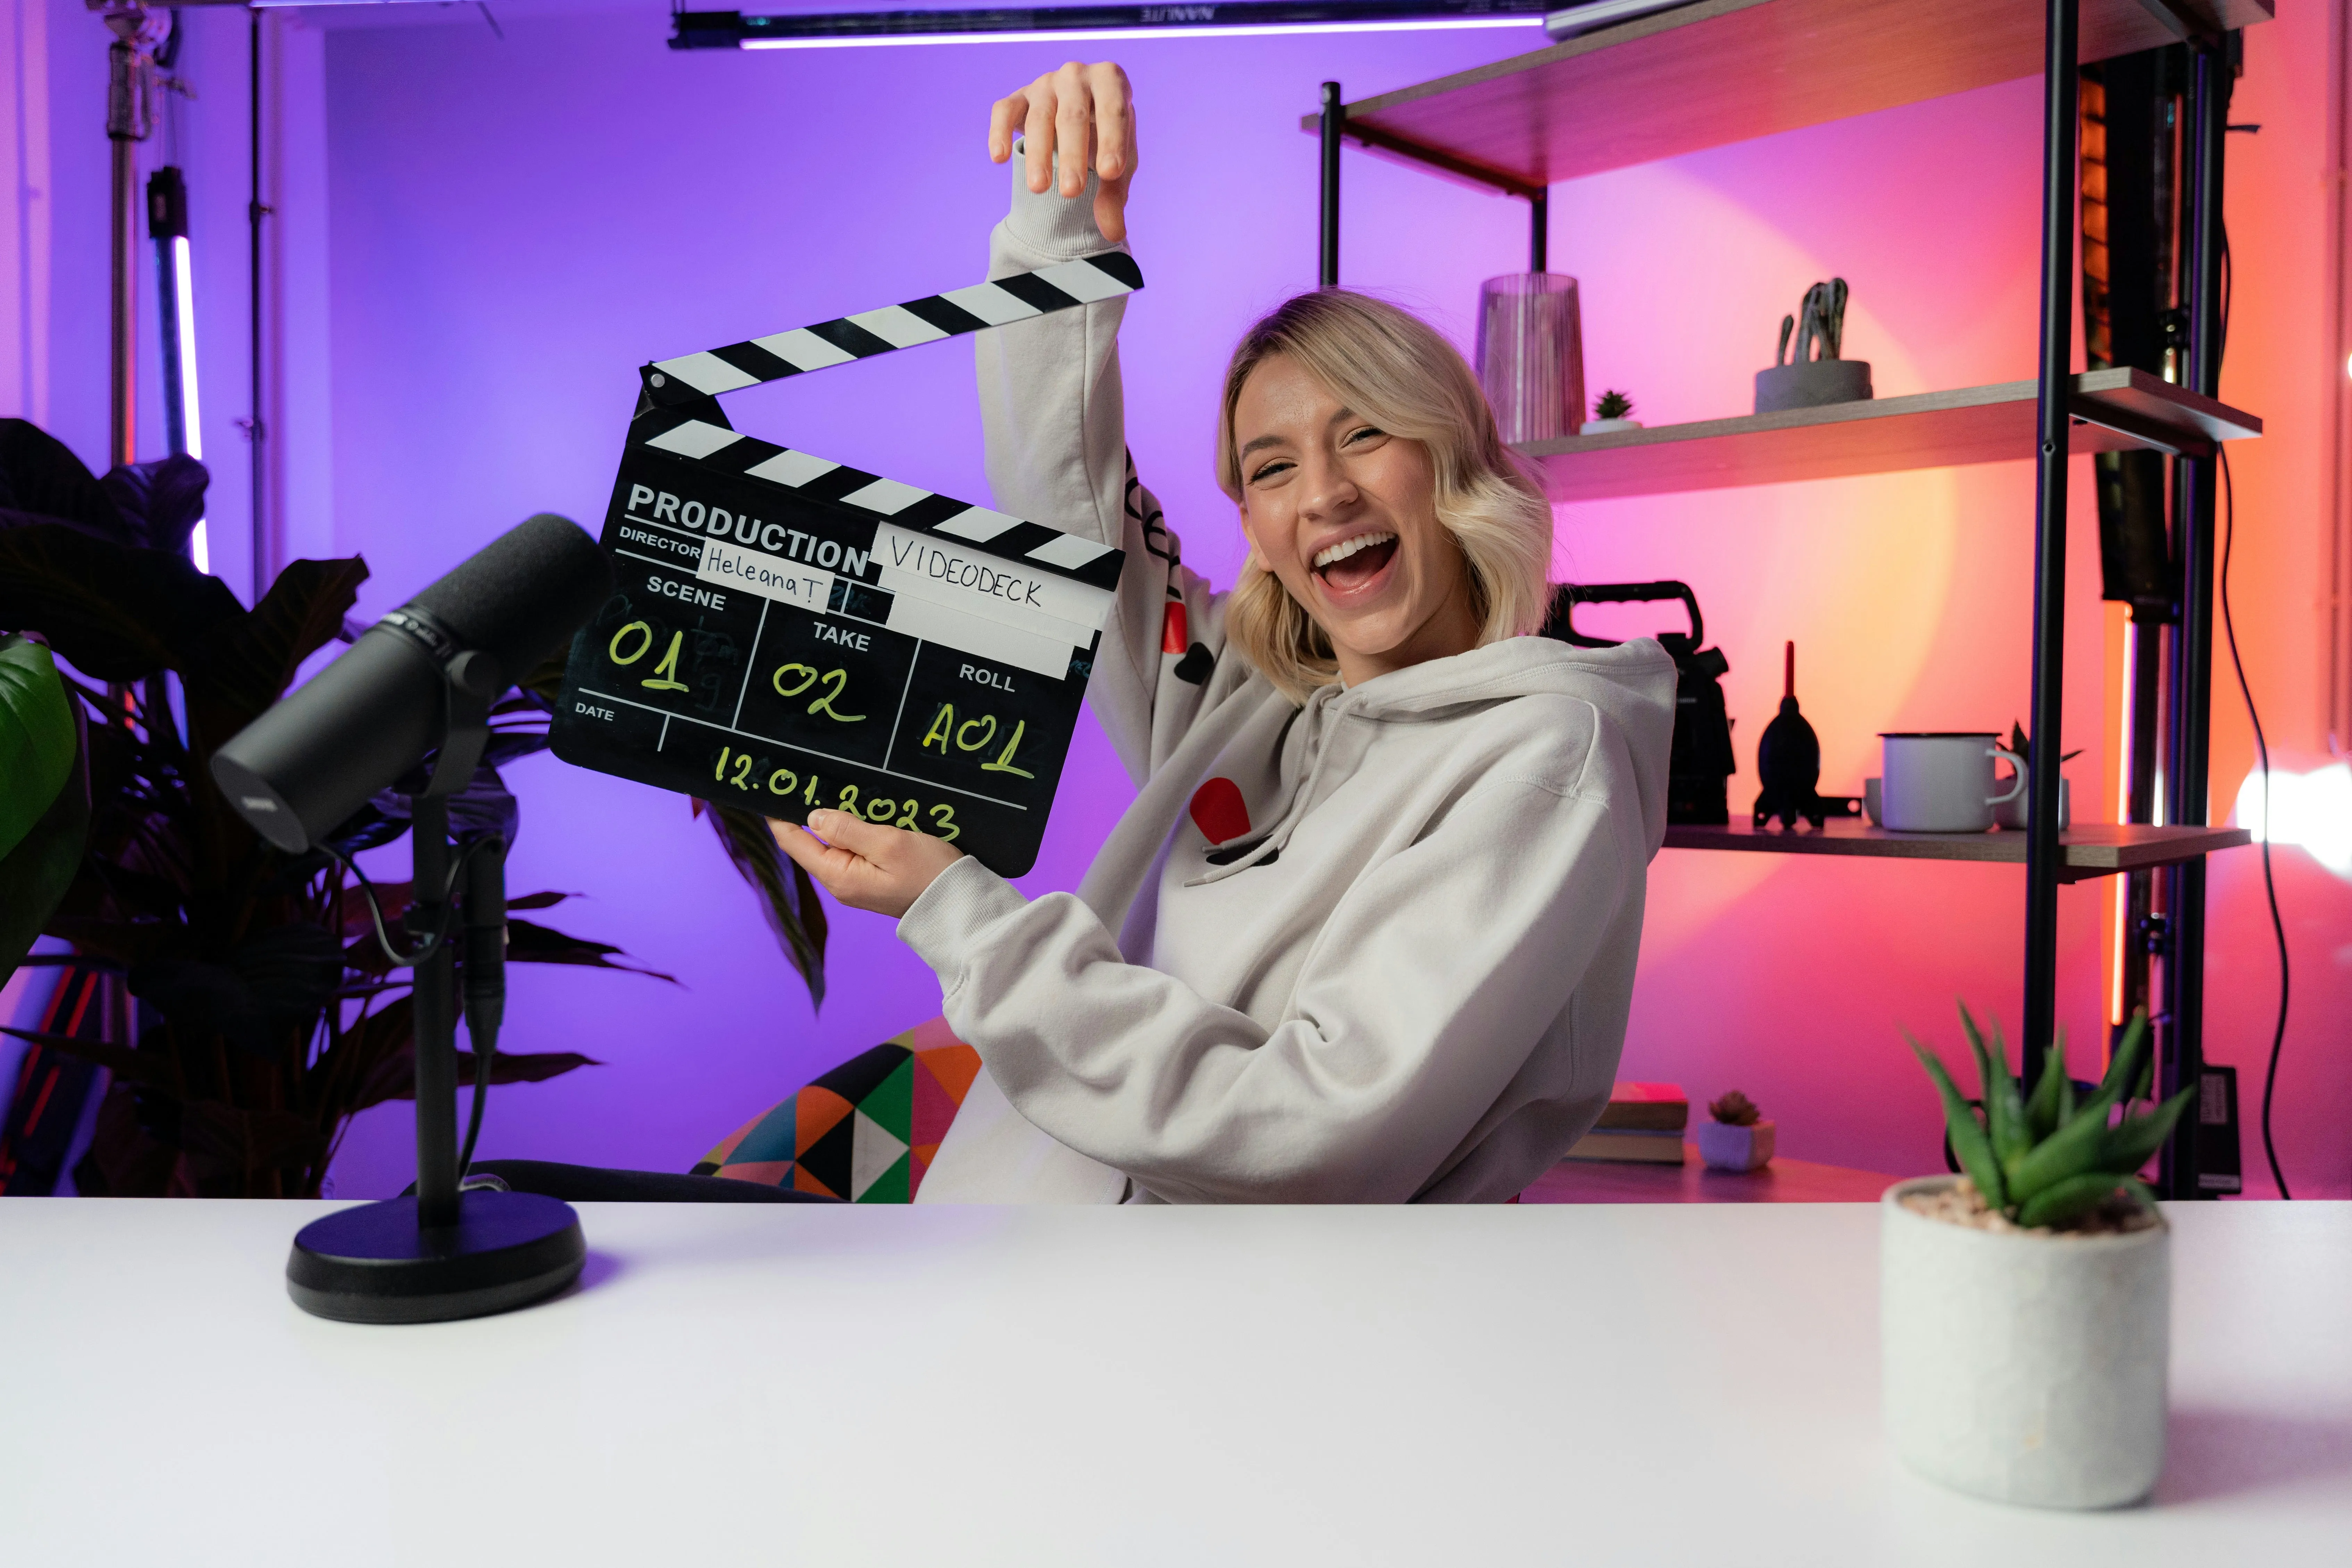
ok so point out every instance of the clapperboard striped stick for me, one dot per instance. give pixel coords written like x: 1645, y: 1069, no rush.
x: 921, y: 620
x: 672, y: 381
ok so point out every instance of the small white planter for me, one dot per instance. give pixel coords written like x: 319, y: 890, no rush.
x: 1728, y: 1148
x: 2022, y: 1367
x: 1607, y: 427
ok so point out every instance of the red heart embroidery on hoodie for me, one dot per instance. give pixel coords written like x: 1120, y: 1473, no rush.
x: 1218, y: 811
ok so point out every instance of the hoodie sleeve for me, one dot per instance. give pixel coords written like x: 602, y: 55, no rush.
x: 1056, y: 439
x: 1430, y: 986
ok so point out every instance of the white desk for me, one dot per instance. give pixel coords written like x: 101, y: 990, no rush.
x: 754, y: 1385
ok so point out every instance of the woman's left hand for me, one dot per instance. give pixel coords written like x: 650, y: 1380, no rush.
x: 867, y: 865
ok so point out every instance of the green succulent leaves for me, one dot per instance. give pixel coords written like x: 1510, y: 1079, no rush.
x: 2043, y: 1159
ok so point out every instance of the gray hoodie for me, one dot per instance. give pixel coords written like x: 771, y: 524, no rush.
x: 1402, y: 970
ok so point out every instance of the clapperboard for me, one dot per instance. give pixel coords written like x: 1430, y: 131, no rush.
x: 790, y: 634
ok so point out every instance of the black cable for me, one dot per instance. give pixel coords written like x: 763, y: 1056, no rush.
x: 375, y: 907
x: 2269, y: 884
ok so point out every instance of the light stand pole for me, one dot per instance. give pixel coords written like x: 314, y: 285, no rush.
x: 129, y: 118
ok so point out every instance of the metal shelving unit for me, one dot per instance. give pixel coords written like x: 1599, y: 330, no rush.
x: 1731, y: 70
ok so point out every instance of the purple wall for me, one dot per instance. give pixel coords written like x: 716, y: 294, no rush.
x: 515, y: 226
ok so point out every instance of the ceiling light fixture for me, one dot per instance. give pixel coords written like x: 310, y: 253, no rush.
x: 1052, y: 23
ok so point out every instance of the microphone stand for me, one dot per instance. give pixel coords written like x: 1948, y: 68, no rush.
x: 445, y: 1253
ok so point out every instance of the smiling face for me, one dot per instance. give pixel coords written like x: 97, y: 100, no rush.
x: 1345, y: 516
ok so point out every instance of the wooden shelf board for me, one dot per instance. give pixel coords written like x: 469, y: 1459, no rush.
x: 2115, y: 410
x: 2093, y: 849
x: 1781, y: 1182
x: 1727, y: 70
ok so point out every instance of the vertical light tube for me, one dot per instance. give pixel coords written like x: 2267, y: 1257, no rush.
x: 167, y: 224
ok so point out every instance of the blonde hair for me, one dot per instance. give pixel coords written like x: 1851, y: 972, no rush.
x: 1394, y: 368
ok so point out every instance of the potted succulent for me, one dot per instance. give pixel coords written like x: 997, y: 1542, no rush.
x: 2026, y: 1305
x: 1735, y: 1136
x: 1614, y: 411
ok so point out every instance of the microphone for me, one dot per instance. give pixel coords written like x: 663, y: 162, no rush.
x: 303, y: 768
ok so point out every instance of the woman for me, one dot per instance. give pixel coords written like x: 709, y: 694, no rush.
x: 1368, y: 932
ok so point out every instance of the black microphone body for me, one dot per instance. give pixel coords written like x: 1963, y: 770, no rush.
x: 304, y: 767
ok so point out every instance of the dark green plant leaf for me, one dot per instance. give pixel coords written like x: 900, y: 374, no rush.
x: 541, y: 900
x: 528, y: 943
x: 160, y: 501
x: 250, y: 660
x: 2023, y: 748
x: 2124, y: 1065
x: 2133, y: 1141
x: 2062, y: 1202
x: 39, y: 870
x: 40, y: 474
x: 505, y: 1067
x: 2004, y: 1111
x: 2045, y: 1110
x: 263, y: 1001
x: 2072, y: 1150
x: 544, y: 685
x: 124, y: 943
x: 394, y: 1078
x: 225, y: 1146
x: 511, y: 745
x: 141, y: 1068
x: 787, y: 898
x: 1970, y: 1144
x: 39, y: 737
x: 201, y: 999
x: 291, y: 970
x: 114, y: 612
x: 378, y: 1063
x: 484, y: 806
x: 125, y: 1159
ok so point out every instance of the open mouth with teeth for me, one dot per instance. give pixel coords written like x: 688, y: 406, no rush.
x: 1354, y: 562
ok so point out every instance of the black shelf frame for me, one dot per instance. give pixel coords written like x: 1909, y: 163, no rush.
x: 2179, y: 938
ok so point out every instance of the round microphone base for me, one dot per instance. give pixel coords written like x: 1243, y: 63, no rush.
x: 374, y: 1264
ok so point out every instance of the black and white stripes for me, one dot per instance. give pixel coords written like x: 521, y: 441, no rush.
x: 726, y: 451
x: 672, y: 381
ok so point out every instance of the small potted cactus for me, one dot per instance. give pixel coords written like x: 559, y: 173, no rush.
x: 2026, y: 1305
x: 1614, y: 411
x: 1735, y: 1136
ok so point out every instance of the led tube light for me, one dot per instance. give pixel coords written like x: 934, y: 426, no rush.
x: 1050, y: 24
x: 167, y: 225
x: 1078, y: 34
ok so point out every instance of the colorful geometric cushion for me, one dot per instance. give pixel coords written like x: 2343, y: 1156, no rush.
x: 867, y: 1131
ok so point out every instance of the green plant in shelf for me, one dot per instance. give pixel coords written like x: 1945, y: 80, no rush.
x: 1735, y: 1110
x: 2042, y: 1159
x: 1613, y: 406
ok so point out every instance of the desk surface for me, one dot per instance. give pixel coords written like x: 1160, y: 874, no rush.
x: 1593, y: 1384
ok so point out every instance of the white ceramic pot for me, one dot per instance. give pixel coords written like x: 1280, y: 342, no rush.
x: 1728, y: 1148
x: 1604, y: 426
x: 2023, y: 1366
x: 2012, y: 813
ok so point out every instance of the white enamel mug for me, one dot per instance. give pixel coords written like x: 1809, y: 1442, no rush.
x: 1943, y: 782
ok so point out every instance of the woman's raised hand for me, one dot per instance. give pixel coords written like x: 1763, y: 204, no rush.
x: 1065, y: 118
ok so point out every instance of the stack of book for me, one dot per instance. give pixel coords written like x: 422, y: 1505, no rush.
x: 1643, y: 1122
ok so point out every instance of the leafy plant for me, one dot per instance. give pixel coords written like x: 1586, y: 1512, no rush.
x: 1735, y: 1110
x: 269, y: 1015
x: 1613, y: 406
x: 2024, y: 748
x: 2040, y: 1158
x: 43, y: 794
